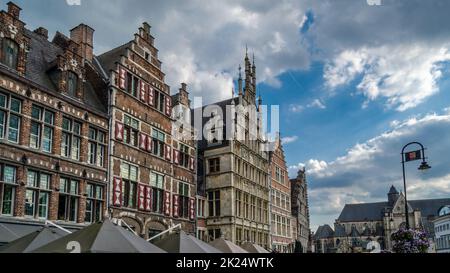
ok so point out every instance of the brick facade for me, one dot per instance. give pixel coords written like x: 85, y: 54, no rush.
x: 282, y: 222
x: 24, y: 156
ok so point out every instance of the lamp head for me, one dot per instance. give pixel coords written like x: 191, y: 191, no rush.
x: 424, y: 166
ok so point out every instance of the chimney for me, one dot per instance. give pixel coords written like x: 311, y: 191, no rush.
x: 14, y: 10
x: 42, y: 31
x: 183, y: 86
x: 84, y: 36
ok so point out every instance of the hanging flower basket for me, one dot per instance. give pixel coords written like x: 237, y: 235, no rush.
x: 410, y: 241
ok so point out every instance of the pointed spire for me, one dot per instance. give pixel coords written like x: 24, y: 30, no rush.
x: 254, y: 60
x: 240, y: 81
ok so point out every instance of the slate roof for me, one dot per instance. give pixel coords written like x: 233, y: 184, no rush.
x: 339, y: 231
x: 393, y: 190
x: 374, y: 211
x: 41, y: 60
x: 362, y: 212
x: 324, y: 232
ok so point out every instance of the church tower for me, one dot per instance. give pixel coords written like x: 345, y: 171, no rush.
x: 250, y: 80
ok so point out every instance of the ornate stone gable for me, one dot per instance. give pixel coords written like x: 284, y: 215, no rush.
x: 11, y: 27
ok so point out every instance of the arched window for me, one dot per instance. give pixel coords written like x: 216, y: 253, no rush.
x: 10, y: 53
x: 72, y: 80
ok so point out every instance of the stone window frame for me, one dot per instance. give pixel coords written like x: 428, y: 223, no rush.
x: 7, y: 111
x: 132, y: 183
x: 72, y: 134
x: 99, y: 145
x: 71, y: 194
x: 11, y: 184
x: 15, y: 63
x: 42, y: 124
x: 37, y: 189
x: 97, y: 201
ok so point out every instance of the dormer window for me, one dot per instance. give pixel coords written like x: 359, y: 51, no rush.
x: 72, y: 80
x: 10, y: 53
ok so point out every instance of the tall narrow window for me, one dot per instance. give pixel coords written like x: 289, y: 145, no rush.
x: 41, y: 130
x: 214, y: 203
x: 157, y: 183
x: 7, y: 189
x: 129, y: 175
x: 97, y: 147
x: 131, y: 131
x: 132, y: 84
x: 72, y: 84
x: 68, y: 199
x: 10, y: 53
x: 10, y: 110
x: 238, y: 203
x: 183, y: 191
x: 37, y: 195
x: 184, y: 155
x: 160, y: 101
x: 71, y: 138
x: 94, y: 203
x: 158, y: 140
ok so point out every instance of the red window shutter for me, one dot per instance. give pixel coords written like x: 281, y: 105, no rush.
x: 148, y: 198
x: 142, y: 141
x: 168, y: 106
x: 176, y: 155
x: 143, y: 91
x: 191, y: 163
x: 141, y: 197
x: 117, y: 191
x: 119, y: 131
x: 167, y: 203
x: 176, y: 205
x: 122, y: 78
x: 151, y: 96
x: 192, y: 208
x: 168, y: 153
x: 149, y: 144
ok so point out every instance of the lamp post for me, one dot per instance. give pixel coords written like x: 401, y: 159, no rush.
x: 410, y: 156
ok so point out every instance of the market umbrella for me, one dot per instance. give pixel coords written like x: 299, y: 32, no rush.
x: 253, y: 248
x: 227, y: 246
x: 101, y: 237
x: 180, y: 242
x: 33, y: 240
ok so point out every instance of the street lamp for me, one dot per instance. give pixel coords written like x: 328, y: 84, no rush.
x: 411, y: 156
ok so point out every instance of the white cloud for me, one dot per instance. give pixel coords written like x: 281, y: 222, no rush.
x: 403, y: 75
x: 316, y: 104
x: 296, y: 108
x: 367, y: 170
x: 289, y: 139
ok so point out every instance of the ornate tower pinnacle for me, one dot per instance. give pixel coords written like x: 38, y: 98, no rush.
x: 240, y: 81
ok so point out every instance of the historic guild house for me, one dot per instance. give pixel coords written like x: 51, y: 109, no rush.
x: 85, y: 136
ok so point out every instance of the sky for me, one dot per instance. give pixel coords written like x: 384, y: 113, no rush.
x: 355, y: 82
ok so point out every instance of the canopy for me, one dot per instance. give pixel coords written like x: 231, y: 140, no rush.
x: 253, y: 248
x: 227, y: 246
x: 33, y: 240
x: 101, y: 237
x: 180, y: 242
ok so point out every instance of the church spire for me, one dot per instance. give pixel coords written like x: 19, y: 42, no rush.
x: 240, y: 81
x: 249, y: 93
x: 254, y: 74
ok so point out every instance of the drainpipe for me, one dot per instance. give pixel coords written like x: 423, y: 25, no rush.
x: 110, y: 143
